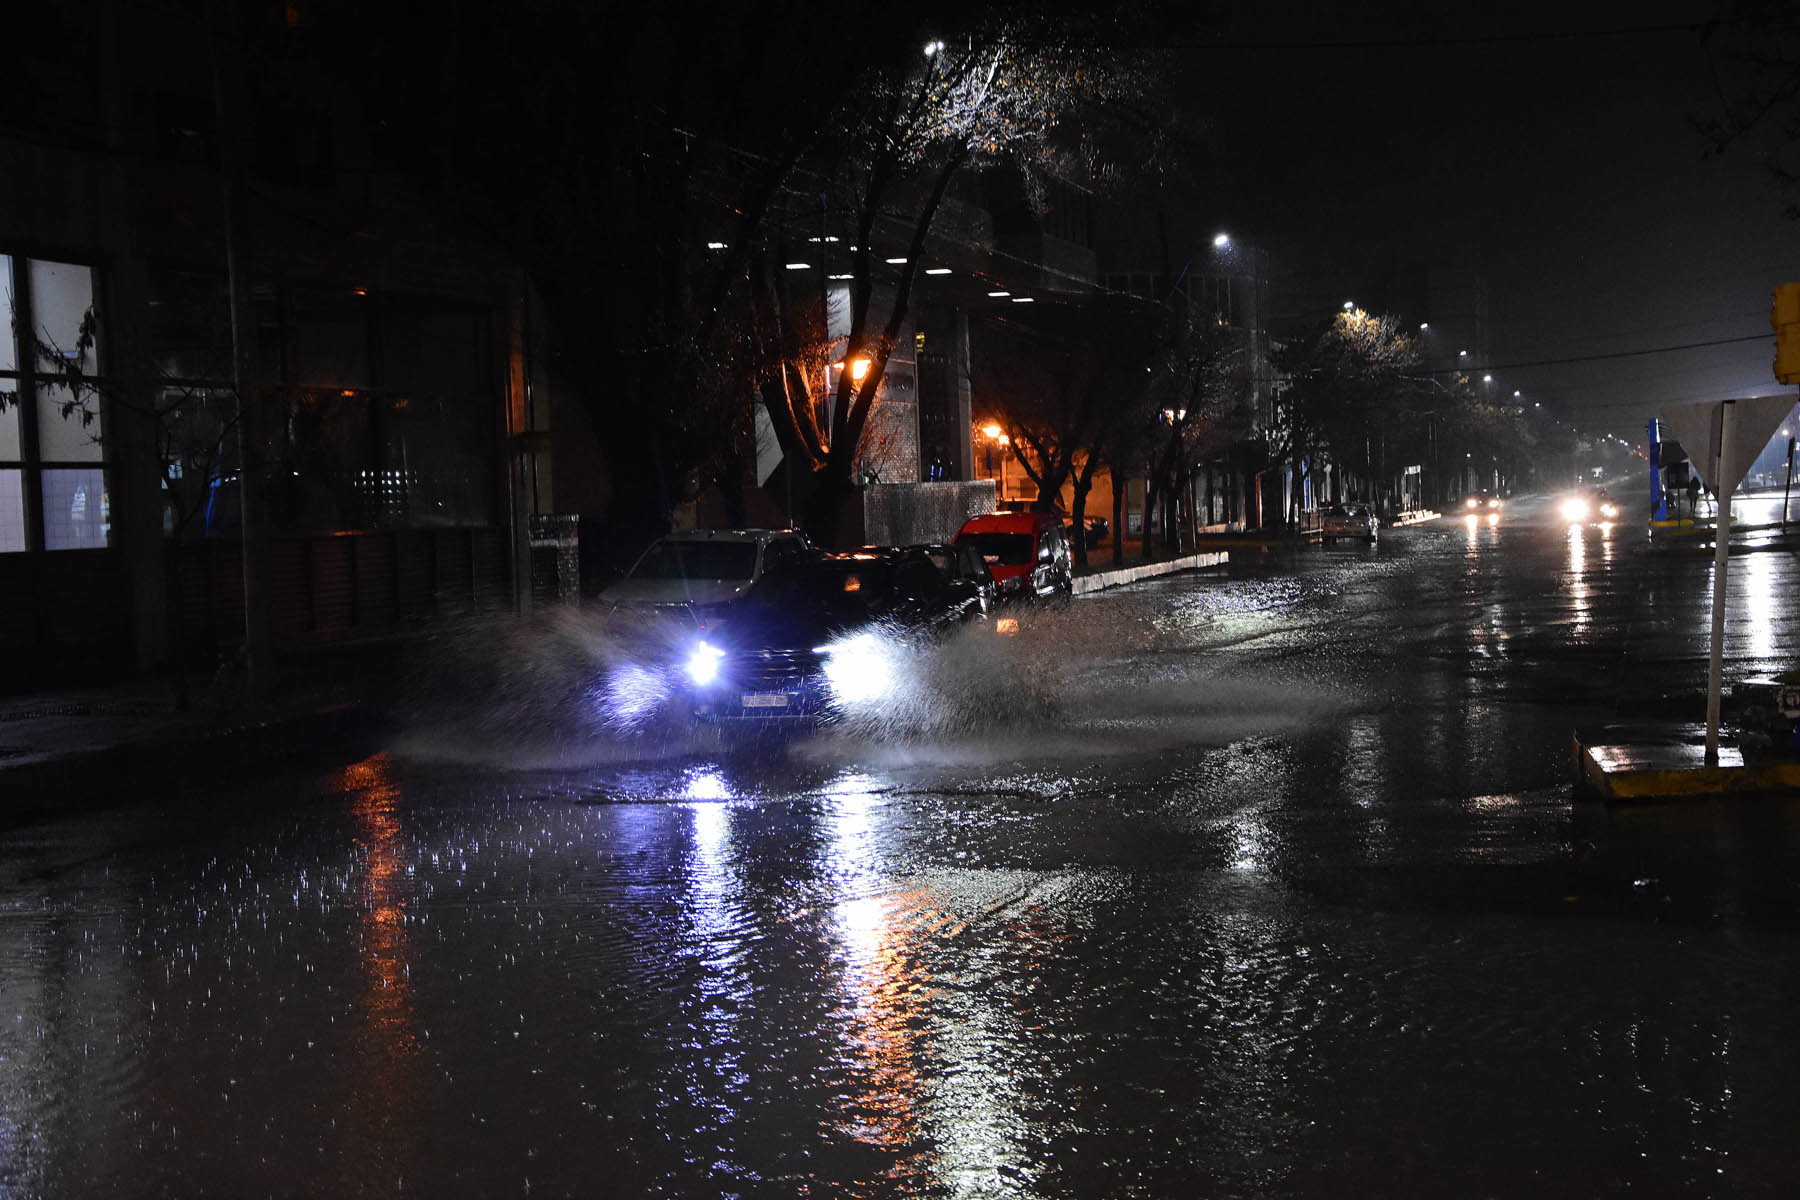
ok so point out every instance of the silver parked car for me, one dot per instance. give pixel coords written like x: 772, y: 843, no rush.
x: 1348, y: 521
x: 703, y: 567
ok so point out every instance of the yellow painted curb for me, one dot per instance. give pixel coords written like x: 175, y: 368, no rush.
x: 1677, y: 770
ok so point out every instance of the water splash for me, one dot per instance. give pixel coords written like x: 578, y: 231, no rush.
x: 589, y: 687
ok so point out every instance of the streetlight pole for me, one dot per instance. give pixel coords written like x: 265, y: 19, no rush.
x: 1789, y: 485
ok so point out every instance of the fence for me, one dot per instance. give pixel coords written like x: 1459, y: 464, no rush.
x: 901, y: 514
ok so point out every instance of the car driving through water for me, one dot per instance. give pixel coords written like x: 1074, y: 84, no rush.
x: 1482, y: 502
x: 814, y: 640
x: 1594, y: 505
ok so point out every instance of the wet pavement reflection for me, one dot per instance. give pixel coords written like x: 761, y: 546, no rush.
x: 1271, y: 887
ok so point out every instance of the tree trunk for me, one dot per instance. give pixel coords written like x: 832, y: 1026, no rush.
x: 823, y: 508
x: 1078, y: 519
x: 1147, y: 539
x: 1118, y: 522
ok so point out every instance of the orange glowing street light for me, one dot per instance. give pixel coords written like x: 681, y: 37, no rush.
x: 859, y: 368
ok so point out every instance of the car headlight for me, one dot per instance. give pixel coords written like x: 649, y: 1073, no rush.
x: 1575, y: 509
x: 1609, y: 510
x: 1473, y: 502
x: 1494, y: 503
x: 703, y: 663
x: 859, y: 668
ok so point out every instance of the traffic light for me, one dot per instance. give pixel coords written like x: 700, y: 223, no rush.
x: 1785, y: 319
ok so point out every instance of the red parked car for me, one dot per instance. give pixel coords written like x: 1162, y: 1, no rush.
x: 1027, y: 553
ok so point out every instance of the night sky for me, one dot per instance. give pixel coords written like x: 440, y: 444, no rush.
x: 1552, y: 148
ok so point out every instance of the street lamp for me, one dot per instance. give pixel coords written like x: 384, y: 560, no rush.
x: 994, y: 434
x: 1221, y: 240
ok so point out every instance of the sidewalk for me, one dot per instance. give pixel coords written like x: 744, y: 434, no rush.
x: 66, y: 748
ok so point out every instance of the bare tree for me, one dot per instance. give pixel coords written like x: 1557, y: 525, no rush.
x: 992, y: 92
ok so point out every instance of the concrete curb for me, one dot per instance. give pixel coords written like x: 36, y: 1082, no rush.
x: 1104, y: 579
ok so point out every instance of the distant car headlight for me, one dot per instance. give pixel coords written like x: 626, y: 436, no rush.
x: 1609, y: 510
x: 703, y: 663
x: 1575, y: 509
x: 1494, y: 502
x: 859, y: 668
x: 1473, y: 502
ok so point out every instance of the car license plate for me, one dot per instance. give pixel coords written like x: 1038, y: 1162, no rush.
x: 765, y: 700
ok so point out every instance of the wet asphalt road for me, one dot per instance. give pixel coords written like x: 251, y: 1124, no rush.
x: 1263, y: 882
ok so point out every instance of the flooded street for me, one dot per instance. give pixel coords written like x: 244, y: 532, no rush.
x: 1258, y: 882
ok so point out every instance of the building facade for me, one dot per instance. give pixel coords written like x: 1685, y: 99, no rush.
x: 389, y: 371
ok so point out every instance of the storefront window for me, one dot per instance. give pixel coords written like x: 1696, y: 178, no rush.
x: 382, y: 408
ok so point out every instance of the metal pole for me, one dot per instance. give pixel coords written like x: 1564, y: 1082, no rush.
x: 1722, y: 484
x: 1788, y: 486
x: 230, y: 90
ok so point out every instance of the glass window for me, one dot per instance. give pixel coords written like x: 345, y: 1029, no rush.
x: 68, y: 424
x: 190, y: 327
x: 9, y: 421
x: 9, y: 359
x: 331, y: 339
x: 77, y: 509
x: 12, y: 510
x: 62, y: 315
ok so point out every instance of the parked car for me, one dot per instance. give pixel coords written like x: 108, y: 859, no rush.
x: 702, y: 567
x: 967, y: 571
x: 817, y: 637
x: 1028, y: 553
x: 1348, y: 521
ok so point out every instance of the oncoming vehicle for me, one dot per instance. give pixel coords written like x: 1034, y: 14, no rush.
x: 1027, y: 552
x: 1595, y: 504
x: 1482, y: 502
x: 1348, y: 521
x: 817, y: 638
x: 699, y: 567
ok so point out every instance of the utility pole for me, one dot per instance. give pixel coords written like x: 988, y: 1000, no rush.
x: 231, y: 99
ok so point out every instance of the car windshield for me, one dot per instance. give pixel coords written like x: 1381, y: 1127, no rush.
x: 1007, y: 549
x: 678, y: 559
x: 835, y: 591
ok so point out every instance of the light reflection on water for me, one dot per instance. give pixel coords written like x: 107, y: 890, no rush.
x: 1579, y: 585
x: 387, y: 1077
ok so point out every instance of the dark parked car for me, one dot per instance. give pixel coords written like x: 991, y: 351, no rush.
x: 813, y: 639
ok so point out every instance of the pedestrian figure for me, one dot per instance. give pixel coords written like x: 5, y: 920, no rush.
x: 1693, y: 491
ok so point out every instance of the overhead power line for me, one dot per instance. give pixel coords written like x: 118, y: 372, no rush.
x: 1584, y: 358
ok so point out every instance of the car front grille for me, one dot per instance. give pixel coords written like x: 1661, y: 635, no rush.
x: 773, y: 670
